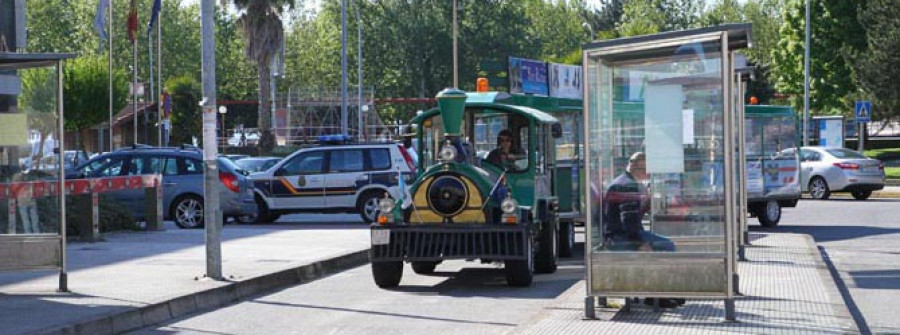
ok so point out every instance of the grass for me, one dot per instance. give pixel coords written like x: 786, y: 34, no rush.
x: 892, y: 172
x: 878, y: 153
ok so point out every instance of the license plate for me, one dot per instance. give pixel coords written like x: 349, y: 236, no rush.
x: 381, y: 237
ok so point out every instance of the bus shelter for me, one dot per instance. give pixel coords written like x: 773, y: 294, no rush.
x: 662, y: 168
x: 32, y: 163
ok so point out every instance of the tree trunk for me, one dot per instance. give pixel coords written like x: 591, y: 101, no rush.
x: 266, y: 137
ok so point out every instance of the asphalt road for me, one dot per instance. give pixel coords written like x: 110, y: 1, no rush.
x: 459, y: 298
x: 861, y: 239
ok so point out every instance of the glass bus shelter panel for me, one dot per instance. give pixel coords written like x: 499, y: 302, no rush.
x: 657, y: 155
x: 30, y: 161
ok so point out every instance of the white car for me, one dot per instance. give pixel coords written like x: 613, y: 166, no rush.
x: 333, y: 178
x: 250, y: 139
x: 826, y: 170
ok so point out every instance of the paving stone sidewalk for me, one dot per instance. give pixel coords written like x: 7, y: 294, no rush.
x: 136, y: 279
x: 787, y: 289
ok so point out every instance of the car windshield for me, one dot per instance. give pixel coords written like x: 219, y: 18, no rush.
x: 844, y: 153
x: 255, y: 165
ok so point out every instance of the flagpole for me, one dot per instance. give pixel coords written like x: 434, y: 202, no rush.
x: 152, y: 95
x: 159, y: 81
x: 110, y: 61
x: 134, y: 88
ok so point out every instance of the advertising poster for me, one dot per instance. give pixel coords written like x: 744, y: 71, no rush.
x: 565, y: 81
x: 780, y: 176
x: 754, y: 179
x: 527, y: 76
x: 831, y: 133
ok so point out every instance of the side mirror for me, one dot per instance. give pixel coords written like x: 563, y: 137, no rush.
x: 280, y: 172
x: 556, y: 130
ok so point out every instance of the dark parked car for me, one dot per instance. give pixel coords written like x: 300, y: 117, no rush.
x: 182, y: 173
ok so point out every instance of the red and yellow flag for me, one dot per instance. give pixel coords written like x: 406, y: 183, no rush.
x: 132, y: 21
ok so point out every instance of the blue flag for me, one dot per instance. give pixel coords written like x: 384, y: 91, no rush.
x: 154, y: 14
x: 100, y: 21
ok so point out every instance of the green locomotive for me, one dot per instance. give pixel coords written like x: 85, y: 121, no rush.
x: 486, y: 189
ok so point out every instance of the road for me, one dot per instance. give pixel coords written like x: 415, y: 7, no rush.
x: 460, y: 298
x: 862, y: 241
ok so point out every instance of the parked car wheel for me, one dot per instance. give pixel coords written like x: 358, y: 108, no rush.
x: 520, y: 273
x: 367, y: 205
x: 818, y: 188
x: 769, y: 213
x: 263, y: 215
x: 861, y: 195
x: 187, y: 211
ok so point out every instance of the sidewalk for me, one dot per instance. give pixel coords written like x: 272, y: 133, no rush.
x: 787, y: 290
x: 141, y: 278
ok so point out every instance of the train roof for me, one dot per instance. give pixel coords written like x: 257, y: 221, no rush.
x: 768, y: 111
x: 506, y: 102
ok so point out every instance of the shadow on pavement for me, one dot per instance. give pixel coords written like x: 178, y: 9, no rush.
x: 829, y: 233
x: 876, y: 279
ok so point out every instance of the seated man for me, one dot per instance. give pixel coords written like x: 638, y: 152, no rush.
x: 626, y: 201
x: 505, y: 154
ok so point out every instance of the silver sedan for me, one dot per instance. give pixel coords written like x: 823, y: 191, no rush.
x: 826, y: 170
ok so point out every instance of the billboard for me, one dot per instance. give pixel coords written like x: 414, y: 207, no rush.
x: 527, y: 76
x: 565, y: 81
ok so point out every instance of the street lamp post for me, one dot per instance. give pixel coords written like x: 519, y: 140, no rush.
x: 590, y: 29
x: 223, y: 110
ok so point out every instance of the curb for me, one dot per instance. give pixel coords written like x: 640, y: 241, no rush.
x: 829, y: 276
x: 145, y: 316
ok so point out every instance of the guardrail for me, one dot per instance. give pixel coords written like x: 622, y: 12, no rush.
x: 27, y: 191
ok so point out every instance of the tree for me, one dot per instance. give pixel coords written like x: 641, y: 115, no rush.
x: 260, y: 22
x: 186, y: 113
x: 879, y: 64
x: 836, y: 35
x: 86, y: 90
x: 641, y: 17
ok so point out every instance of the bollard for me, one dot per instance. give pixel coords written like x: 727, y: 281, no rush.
x: 153, y: 195
x: 84, y: 197
x: 11, y: 227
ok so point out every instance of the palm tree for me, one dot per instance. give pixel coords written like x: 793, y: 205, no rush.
x: 260, y: 22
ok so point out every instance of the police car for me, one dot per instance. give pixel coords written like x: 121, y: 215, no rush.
x: 336, y: 176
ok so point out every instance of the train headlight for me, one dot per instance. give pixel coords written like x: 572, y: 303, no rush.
x: 386, y: 205
x: 508, y: 206
x: 448, y: 152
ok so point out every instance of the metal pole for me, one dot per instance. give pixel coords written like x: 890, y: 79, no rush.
x: 343, y: 66
x: 359, y: 75
x: 152, y: 94
x: 806, y: 82
x: 159, y: 79
x: 63, y: 275
x: 211, y: 212
x: 110, y: 69
x: 455, y: 50
x: 134, y: 89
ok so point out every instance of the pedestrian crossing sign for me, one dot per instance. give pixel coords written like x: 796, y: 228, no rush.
x: 863, y: 111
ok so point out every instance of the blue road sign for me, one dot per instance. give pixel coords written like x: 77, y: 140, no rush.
x: 863, y: 111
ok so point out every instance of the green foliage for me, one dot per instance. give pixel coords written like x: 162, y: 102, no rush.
x: 186, y: 113
x: 878, y: 65
x: 835, y: 35
x: 642, y: 17
x: 86, y: 90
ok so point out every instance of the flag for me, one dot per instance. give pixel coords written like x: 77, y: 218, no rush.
x: 132, y: 21
x: 154, y: 13
x: 100, y: 21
